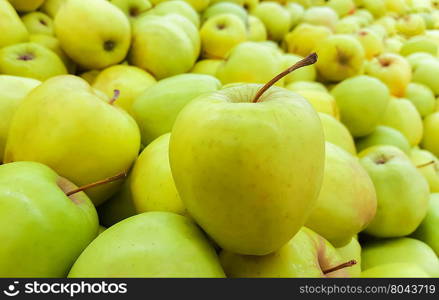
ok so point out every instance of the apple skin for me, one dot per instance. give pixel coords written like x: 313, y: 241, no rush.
x: 372, y: 43
x: 352, y: 250
x: 428, y: 230
x: 156, y: 109
x: 400, y: 250
x: 95, y: 141
x: 13, y: 30
x: 348, y: 25
x: 427, y: 73
x: 38, y: 22
x: 416, y: 58
x: 395, y: 270
x: 13, y: 90
x: 30, y: 60
x: 225, y: 8
x: 401, y: 191
x: 421, y: 157
x: 256, y: 31
x: 362, y: 101
x: 376, y: 7
x: 347, y: 201
x: 342, y: 7
x: 336, y: 133
x: 306, y: 85
x: 305, y: 255
x: 307, y: 73
x: 207, y: 66
x: 133, y: 9
x: 411, y: 25
x: 176, y: 7
x: 43, y: 230
x: 304, y: 38
x: 384, y: 135
x: 239, y: 182
x: 51, y: 7
x: 321, y: 101
x: 422, y: 97
x: 26, y: 5
x: 321, y: 15
x: 419, y: 44
x: 152, y: 244
x: 430, y: 139
x: 275, y: 17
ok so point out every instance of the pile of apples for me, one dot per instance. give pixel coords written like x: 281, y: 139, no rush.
x: 219, y: 138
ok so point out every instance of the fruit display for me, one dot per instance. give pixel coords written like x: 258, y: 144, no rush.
x: 219, y: 138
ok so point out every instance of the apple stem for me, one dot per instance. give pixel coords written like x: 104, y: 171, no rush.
x: 309, y: 60
x: 342, y: 266
x: 116, y: 94
x: 426, y: 164
x: 100, y: 182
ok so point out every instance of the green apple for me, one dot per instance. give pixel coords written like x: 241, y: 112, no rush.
x: 384, y: 135
x: 51, y: 7
x: 225, y: 8
x: 129, y: 80
x: 402, y: 115
x: 155, y: 39
x: 13, y: 30
x: 402, y: 192
x: 296, y: 13
x: 42, y: 228
x: 275, y: 17
x: 306, y: 255
x: 430, y: 139
x: 321, y: 101
x: 348, y: 25
x: 38, y: 22
x: 352, y: 250
x: 376, y: 7
x: 152, y: 185
x: 304, y: 39
x: 256, y: 30
x: 207, y: 66
x: 372, y: 43
x: 83, y: 138
x: 152, y: 244
x: 26, y: 5
x: 336, y: 133
x: 422, y: 98
x: 419, y: 44
x: 177, y: 7
x: 13, y: 90
x: 393, y: 45
x: 395, y: 270
x: 416, y: 58
x: 392, y: 69
x: 427, y: 72
x: 342, y: 7
x: 92, y: 42
x: 428, y: 165
x: 428, y: 230
x: 133, y: 9
x: 156, y: 109
x: 400, y: 250
x: 30, y: 60
x: 307, y: 73
x: 90, y: 76
x: 389, y: 25
x: 347, y: 202
x: 411, y: 25
x: 220, y: 33
x: 362, y: 101
x: 251, y: 62
x: 340, y: 57
x: 399, y: 7
x: 365, y: 15
x: 321, y: 15
x: 306, y: 85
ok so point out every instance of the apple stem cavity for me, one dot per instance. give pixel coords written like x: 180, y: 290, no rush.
x: 348, y: 264
x: 100, y: 182
x: 309, y: 60
x: 116, y: 94
x: 432, y: 162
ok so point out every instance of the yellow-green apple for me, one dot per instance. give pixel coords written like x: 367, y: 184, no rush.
x: 428, y: 230
x: 393, y: 45
x: 275, y: 17
x: 411, y: 25
x: 30, y: 60
x: 389, y: 25
x: 129, y: 80
x: 398, y: 7
x: 64, y: 124
x: 155, y: 39
x: 430, y: 139
x: 306, y: 255
x: 152, y: 185
x: 306, y: 85
x: 426, y: 72
x: 422, y: 98
x: 251, y: 62
x: 401, y: 191
x: 296, y: 13
x: 428, y: 165
x: 400, y: 250
x: 152, y: 244
x: 416, y: 58
x: 26, y: 5
x: 307, y: 73
x: 384, y: 135
x: 262, y: 203
x: 92, y: 42
x: 198, y: 5
x: 365, y: 16
x: 342, y: 7
x: 419, y: 44
x: 225, y: 8
x: 220, y: 33
x: 372, y: 43
x: 376, y: 7
x: 336, y: 133
x: 402, y: 115
x: 38, y: 22
x: 352, y: 250
x: 156, y: 109
x: 207, y: 66
x: 304, y: 38
x: 395, y: 270
x: 13, y: 90
x: 43, y: 229
x: 256, y: 30
x: 340, y: 57
x: 51, y: 7
x: 177, y: 7
x: 13, y: 30
x: 362, y: 101
x: 347, y: 201
x: 133, y: 9
x: 348, y: 25
x: 90, y: 76
x: 321, y: 15
x: 321, y: 101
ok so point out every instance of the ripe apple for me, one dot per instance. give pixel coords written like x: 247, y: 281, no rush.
x: 13, y: 30
x: 207, y: 66
x: 156, y: 109
x: 430, y: 139
x: 376, y: 7
x: 153, y: 244
x: 419, y: 44
x: 30, y: 60
x: 399, y: 7
x: 352, y: 250
x: 428, y: 230
x: 348, y: 25
x: 225, y: 8
x: 176, y: 7
x: 422, y: 98
x: 336, y: 133
x: 426, y: 72
x: 416, y: 58
x: 90, y: 76
x: 275, y: 18
x: 306, y: 255
x: 411, y: 25
x: 321, y: 101
x: 400, y: 250
x: 296, y: 13
x: 38, y: 22
x: 306, y: 85
x: 43, y: 229
x: 384, y: 135
x: 307, y: 73
x: 342, y: 7
x: 395, y: 270
x: 133, y: 9
x: 321, y: 15
x: 256, y: 30
x: 51, y: 7
x: 304, y: 38
x: 26, y: 5
x: 372, y: 43
x: 401, y: 191
x: 362, y: 101
x: 428, y: 165
x: 64, y: 124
